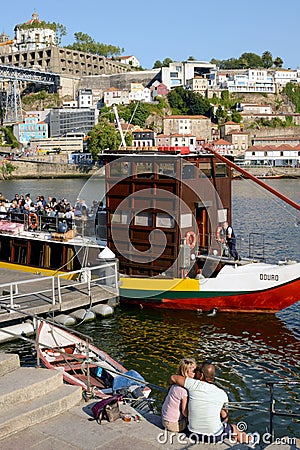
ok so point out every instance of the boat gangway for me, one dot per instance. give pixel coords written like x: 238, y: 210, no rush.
x: 35, y: 294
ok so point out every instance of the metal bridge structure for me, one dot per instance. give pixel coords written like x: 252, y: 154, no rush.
x: 14, y: 75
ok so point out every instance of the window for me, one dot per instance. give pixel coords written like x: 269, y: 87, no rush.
x: 188, y: 171
x: 119, y: 168
x: 143, y: 219
x: 221, y: 170
x: 144, y: 169
x: 121, y: 217
x: 167, y: 169
x: 164, y: 221
x: 205, y: 168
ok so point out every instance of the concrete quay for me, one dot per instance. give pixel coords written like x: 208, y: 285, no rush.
x: 37, y: 412
x: 73, y: 430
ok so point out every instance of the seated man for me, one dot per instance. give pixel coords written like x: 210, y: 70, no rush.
x: 206, y: 414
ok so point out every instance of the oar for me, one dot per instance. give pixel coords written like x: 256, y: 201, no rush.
x: 117, y: 372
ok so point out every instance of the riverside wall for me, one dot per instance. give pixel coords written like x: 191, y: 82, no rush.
x: 44, y: 169
x: 37, y: 169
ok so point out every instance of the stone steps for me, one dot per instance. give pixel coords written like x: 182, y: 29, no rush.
x: 29, y: 396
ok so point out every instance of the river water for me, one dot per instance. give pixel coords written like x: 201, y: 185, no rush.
x: 249, y: 350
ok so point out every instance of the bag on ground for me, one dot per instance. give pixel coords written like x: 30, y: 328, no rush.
x: 107, y: 409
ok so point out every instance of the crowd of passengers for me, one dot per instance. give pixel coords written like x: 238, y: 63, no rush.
x: 62, y: 209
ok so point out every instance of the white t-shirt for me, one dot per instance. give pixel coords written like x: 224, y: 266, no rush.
x: 205, y: 403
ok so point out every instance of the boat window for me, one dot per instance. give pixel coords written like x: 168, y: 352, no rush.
x: 143, y: 219
x: 164, y: 221
x: 122, y: 217
x: 188, y: 171
x: 5, y: 248
x: 119, y: 168
x: 205, y: 168
x: 144, y: 170
x: 168, y: 169
x: 221, y: 170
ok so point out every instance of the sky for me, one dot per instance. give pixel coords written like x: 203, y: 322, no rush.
x: 160, y: 29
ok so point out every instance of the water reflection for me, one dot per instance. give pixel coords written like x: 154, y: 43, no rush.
x: 248, y: 353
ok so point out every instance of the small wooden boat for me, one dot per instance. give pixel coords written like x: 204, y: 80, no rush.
x: 74, y: 356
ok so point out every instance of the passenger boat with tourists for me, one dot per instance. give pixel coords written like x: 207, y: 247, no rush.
x: 83, y: 364
x: 163, y: 209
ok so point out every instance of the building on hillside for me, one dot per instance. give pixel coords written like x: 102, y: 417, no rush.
x: 239, y: 140
x: 29, y: 129
x: 158, y: 88
x: 70, y: 104
x: 143, y: 138
x: 253, y: 108
x: 131, y: 61
x: 283, y: 76
x: 64, y: 144
x: 198, y: 84
x: 178, y: 73
x: 227, y: 127
x: 34, y: 34
x: 194, y: 125
x: 85, y: 98
x: 63, y: 120
x: 223, y: 147
x: 176, y: 140
x: 114, y: 96
x: 273, y: 156
x: 139, y: 93
x: 252, y: 81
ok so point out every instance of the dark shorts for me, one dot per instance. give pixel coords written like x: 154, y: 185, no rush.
x: 211, y: 438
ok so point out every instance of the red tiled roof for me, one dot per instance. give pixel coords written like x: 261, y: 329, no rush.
x: 222, y: 142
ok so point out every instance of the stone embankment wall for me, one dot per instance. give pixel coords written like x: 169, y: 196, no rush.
x: 275, y: 132
x: 33, y: 169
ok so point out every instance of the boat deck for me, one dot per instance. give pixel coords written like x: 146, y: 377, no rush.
x: 36, y: 294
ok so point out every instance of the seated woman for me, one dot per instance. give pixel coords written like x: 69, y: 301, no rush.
x: 174, y: 409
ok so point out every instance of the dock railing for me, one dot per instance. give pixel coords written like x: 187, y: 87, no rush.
x: 51, y: 289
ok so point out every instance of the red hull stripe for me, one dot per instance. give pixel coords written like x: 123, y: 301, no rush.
x: 270, y: 300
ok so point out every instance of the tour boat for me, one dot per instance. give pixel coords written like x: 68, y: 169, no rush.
x: 74, y: 356
x: 162, y: 211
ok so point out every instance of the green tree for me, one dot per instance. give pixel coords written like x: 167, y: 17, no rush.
x: 158, y: 64
x: 278, y: 62
x: 183, y: 101
x: 166, y: 62
x: 61, y: 31
x: 293, y: 92
x: 84, y: 43
x: 267, y: 59
x: 236, y: 116
x: 104, y: 136
x: 252, y: 59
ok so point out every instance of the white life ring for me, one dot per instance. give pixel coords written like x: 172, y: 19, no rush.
x: 191, y: 239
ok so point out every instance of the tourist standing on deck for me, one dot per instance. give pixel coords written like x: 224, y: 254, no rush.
x: 231, y: 241
x: 175, y: 406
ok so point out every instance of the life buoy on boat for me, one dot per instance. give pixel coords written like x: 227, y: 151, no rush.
x: 191, y: 239
x: 33, y: 223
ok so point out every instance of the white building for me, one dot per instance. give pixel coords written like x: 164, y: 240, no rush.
x: 282, y: 77
x: 85, y: 98
x: 130, y: 61
x: 139, y: 93
x: 281, y: 156
x: 178, y: 73
x: 34, y: 34
x: 252, y: 81
x: 114, y: 96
